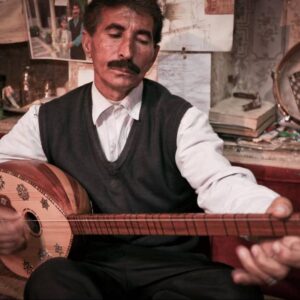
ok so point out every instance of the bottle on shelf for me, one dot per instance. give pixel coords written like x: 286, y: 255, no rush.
x: 25, y: 89
x: 49, y: 89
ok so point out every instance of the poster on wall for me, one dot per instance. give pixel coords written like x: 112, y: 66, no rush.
x: 197, y: 25
x: 55, y: 29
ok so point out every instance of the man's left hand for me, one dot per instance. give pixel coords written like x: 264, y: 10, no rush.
x: 260, y: 265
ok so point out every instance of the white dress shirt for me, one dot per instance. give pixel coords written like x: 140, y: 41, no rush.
x: 221, y: 188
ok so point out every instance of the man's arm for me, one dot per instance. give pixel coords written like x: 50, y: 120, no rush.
x: 223, y: 188
x: 23, y: 141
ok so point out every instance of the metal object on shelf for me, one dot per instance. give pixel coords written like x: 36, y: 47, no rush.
x: 284, y: 78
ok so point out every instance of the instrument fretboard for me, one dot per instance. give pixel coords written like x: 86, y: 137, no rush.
x: 189, y: 224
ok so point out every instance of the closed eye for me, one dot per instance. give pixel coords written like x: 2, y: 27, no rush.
x: 144, y: 37
x: 114, y: 30
x: 115, y: 35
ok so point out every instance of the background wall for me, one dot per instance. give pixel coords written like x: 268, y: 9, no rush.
x: 264, y: 31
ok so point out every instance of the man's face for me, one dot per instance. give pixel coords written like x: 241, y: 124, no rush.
x: 64, y: 24
x: 122, y: 50
x: 75, y: 11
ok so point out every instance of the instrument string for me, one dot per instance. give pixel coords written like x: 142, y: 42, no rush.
x: 148, y: 219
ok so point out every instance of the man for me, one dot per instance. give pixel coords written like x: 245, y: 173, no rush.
x: 136, y: 148
x: 76, y: 27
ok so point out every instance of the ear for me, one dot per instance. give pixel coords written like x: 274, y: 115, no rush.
x: 157, y: 48
x: 87, y: 43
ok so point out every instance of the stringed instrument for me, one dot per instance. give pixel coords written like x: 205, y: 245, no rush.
x: 57, y: 208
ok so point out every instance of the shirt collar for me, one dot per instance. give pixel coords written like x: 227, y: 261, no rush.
x: 132, y: 102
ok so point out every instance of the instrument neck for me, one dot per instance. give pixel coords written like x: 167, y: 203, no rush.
x: 189, y: 224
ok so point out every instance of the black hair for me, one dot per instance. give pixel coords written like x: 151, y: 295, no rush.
x: 92, y: 16
x: 62, y: 18
x: 76, y: 3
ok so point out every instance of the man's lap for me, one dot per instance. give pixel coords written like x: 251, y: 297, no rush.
x: 145, y: 273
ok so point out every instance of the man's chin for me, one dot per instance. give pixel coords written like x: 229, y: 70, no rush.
x: 126, y: 82
x: 124, y: 86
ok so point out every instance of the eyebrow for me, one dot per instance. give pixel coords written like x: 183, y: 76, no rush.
x: 122, y: 28
x: 115, y: 26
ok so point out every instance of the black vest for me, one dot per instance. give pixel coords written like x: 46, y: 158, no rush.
x: 76, y: 52
x: 145, y: 178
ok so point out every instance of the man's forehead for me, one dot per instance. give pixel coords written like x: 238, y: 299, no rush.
x: 125, y: 15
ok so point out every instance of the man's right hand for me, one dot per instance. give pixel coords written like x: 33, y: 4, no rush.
x: 13, y: 231
x: 287, y: 251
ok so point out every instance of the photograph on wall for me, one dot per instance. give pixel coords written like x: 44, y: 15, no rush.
x: 55, y: 28
x: 194, y: 25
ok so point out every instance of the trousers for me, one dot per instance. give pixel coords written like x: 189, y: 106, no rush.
x: 136, y: 273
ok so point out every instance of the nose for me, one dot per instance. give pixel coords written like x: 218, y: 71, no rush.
x: 126, y: 48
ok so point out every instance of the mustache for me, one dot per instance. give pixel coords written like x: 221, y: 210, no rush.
x: 128, y: 64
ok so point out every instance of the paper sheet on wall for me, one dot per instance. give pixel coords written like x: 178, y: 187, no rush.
x: 197, y: 25
x: 13, y: 23
x: 187, y: 76
x: 61, y: 2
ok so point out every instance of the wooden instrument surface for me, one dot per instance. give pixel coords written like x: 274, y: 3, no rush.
x: 45, y: 196
x: 56, y: 208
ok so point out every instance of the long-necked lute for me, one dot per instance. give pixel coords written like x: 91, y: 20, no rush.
x: 57, y: 208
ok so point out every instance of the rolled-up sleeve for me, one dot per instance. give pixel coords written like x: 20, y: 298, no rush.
x: 221, y: 188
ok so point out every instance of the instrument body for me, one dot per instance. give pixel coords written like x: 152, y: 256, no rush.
x: 56, y: 207
x: 46, y: 196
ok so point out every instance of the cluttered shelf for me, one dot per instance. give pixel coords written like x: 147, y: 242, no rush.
x: 283, y: 152
x: 275, y: 164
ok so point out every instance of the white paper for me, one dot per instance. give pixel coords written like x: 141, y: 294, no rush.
x: 187, y: 76
x: 61, y: 3
x: 187, y: 26
x: 13, y: 22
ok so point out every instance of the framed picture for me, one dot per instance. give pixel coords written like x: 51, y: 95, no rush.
x: 55, y: 28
